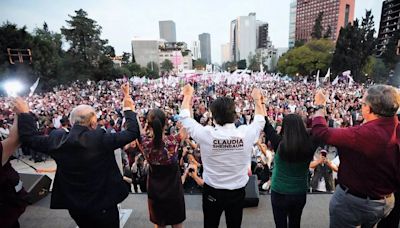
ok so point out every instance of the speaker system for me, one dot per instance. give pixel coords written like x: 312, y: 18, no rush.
x: 36, y: 185
x: 252, y: 196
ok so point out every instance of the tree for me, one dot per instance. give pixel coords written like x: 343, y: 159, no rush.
x: 199, y: 64
x: 86, y: 47
x: 47, y: 54
x: 125, y: 58
x: 12, y: 37
x: 353, y: 47
x: 152, y: 70
x: 328, y: 32
x: 167, y: 65
x: 229, y: 66
x: 375, y: 69
x: 242, y: 64
x: 317, y: 29
x: 307, y: 59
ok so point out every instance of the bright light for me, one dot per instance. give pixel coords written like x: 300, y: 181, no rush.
x: 13, y: 88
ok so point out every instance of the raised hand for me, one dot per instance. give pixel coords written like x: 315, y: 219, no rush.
x: 256, y: 94
x: 320, y: 98
x: 19, y: 105
x: 187, y: 90
x: 125, y: 89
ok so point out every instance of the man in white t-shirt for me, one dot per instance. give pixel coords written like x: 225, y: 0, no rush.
x: 225, y: 153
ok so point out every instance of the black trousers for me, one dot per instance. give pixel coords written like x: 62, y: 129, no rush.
x: 285, y: 206
x: 215, y: 201
x: 392, y: 221
x: 107, y: 218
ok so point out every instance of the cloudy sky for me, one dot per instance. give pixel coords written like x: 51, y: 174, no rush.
x: 123, y: 20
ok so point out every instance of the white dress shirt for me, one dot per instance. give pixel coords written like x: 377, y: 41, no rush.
x: 225, y: 150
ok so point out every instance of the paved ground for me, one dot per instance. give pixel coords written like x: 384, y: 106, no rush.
x: 315, y: 213
x: 40, y: 216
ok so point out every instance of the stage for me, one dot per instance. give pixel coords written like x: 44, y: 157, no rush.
x: 315, y: 214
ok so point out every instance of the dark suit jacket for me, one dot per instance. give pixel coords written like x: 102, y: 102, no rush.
x: 87, y: 176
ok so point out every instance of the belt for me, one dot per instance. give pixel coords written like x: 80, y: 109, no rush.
x: 363, y: 196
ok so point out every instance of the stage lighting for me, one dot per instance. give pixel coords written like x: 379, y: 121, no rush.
x: 13, y: 88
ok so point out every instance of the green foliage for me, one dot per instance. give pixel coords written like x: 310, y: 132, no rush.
x: 353, y: 47
x: 126, y: 58
x: 229, y: 66
x: 199, y: 64
x: 328, y: 32
x: 317, y: 29
x: 307, y: 59
x: 152, y: 70
x: 167, y: 65
x: 88, y: 50
x: 241, y: 64
x: 375, y: 68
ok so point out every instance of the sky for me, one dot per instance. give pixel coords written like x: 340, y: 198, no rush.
x: 122, y: 20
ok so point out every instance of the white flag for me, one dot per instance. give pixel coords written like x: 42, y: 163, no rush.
x: 209, y: 68
x: 351, y: 80
x: 327, y: 76
x: 335, y: 81
x: 305, y: 80
x: 317, y: 80
x: 33, y: 87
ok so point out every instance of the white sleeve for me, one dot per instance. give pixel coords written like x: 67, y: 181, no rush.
x: 254, y: 129
x: 197, y: 131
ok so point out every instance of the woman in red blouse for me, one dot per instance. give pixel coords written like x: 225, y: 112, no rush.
x: 165, y: 192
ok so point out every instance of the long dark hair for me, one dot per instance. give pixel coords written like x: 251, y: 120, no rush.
x: 156, y: 120
x: 296, y: 143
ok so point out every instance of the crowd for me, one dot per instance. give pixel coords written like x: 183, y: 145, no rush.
x: 161, y: 114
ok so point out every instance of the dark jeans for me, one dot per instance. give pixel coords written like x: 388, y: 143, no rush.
x: 107, y: 218
x: 286, y: 206
x: 215, y: 201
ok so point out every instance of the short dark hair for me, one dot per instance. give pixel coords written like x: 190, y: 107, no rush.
x: 223, y: 110
x: 384, y: 100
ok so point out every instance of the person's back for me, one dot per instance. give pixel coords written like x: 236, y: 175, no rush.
x: 226, y: 155
x: 289, y: 183
x: 369, y: 159
x: 87, y: 182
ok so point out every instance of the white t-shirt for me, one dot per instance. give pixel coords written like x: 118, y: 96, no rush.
x: 225, y: 150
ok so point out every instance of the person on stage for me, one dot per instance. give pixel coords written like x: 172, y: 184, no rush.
x: 87, y: 182
x: 369, y: 171
x: 164, y: 187
x: 12, y: 194
x: 225, y: 152
x: 294, y: 150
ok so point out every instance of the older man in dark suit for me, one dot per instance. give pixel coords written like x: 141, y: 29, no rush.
x: 87, y: 182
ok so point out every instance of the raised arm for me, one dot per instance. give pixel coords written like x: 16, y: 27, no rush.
x: 195, y: 130
x: 28, y: 134
x: 10, y: 144
x: 331, y: 136
x: 132, y: 132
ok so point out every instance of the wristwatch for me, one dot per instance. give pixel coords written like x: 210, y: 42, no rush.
x: 318, y: 107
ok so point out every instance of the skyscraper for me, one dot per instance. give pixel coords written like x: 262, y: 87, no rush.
x: 292, y: 23
x: 145, y: 51
x: 167, y: 30
x: 390, y: 23
x: 205, y: 47
x: 196, y: 49
x: 262, y: 35
x: 243, y: 37
x: 337, y: 14
x: 225, y: 52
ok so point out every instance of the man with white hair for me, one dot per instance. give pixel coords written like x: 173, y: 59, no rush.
x: 87, y: 182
